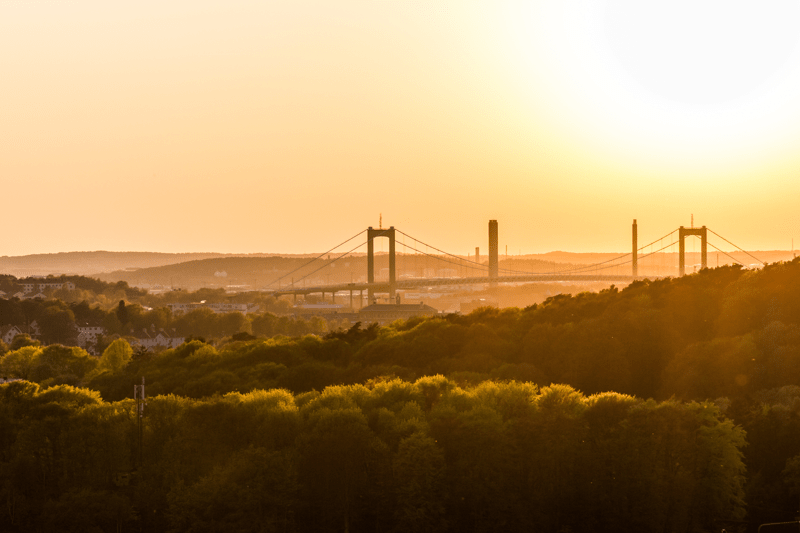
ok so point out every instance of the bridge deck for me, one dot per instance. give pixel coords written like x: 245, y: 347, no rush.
x: 439, y: 282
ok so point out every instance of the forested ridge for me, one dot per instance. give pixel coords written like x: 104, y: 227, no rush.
x: 392, y: 456
x: 435, y: 424
x: 719, y: 333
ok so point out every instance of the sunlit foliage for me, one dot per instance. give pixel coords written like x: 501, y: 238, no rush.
x: 396, y: 455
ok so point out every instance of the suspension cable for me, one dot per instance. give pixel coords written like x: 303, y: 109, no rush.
x: 726, y: 253
x: 438, y: 258
x: 595, y: 265
x: 314, y: 259
x: 460, y: 260
x: 735, y: 246
x: 561, y: 271
x: 344, y: 253
x: 440, y: 251
x: 655, y: 252
x: 334, y: 260
x: 630, y: 260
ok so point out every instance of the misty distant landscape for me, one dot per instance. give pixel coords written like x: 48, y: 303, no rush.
x: 246, y: 284
x: 586, y: 409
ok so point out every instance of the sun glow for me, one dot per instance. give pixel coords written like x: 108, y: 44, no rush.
x: 694, y: 86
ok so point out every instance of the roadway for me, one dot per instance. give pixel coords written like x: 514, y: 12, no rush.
x: 383, y: 287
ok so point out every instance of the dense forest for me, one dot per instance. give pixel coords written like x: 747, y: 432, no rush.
x: 390, y: 456
x: 125, y: 312
x: 447, y: 423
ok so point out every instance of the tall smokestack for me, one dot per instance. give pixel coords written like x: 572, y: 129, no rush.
x: 493, y: 249
x: 635, y: 254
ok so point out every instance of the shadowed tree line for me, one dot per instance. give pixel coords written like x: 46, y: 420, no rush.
x: 105, y: 295
x: 726, y: 335
x: 719, y: 333
x: 390, y: 456
x: 58, y: 320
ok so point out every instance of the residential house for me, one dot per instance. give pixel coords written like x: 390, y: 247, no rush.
x: 152, y: 338
x: 37, y: 296
x: 88, y: 334
x: 33, y: 330
x: 7, y: 333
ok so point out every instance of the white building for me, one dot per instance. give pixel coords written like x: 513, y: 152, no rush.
x: 386, y: 313
x: 7, y: 333
x: 32, y: 296
x: 87, y: 336
x: 218, y: 308
x: 161, y: 338
x: 29, y: 287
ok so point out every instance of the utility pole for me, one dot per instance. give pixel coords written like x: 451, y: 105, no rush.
x: 141, y: 402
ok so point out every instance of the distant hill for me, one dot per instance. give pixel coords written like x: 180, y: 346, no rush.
x: 245, y: 273
x: 197, y: 270
x: 92, y: 263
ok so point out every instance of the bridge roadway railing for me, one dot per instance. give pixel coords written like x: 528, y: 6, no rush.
x: 380, y: 287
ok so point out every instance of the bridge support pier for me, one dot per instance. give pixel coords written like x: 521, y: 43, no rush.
x: 372, y: 234
x: 686, y: 232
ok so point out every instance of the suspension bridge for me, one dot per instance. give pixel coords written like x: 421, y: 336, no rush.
x: 490, y: 273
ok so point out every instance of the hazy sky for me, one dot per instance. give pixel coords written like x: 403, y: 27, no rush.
x: 289, y: 126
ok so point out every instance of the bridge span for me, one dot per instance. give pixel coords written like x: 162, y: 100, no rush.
x: 402, y: 284
x: 493, y: 276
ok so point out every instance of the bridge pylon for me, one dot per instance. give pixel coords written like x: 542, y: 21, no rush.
x: 686, y: 232
x: 372, y: 234
x: 493, y: 260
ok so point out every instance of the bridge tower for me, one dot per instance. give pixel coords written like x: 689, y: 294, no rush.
x: 635, y: 253
x: 686, y: 232
x: 493, y: 265
x: 372, y: 234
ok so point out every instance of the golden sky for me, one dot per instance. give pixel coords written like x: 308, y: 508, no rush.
x: 289, y: 126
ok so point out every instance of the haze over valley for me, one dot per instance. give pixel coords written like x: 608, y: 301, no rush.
x: 400, y: 266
